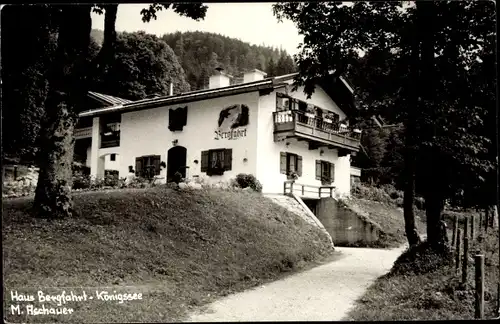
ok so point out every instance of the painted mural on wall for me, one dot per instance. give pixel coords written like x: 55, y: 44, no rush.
x: 232, y: 122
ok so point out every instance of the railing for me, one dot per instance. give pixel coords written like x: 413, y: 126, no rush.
x: 289, y: 116
x: 82, y: 132
x: 110, y: 143
x: 288, y: 187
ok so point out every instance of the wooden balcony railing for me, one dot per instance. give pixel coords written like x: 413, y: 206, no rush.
x: 298, y: 117
x: 112, y: 140
x: 290, y: 186
x: 82, y: 132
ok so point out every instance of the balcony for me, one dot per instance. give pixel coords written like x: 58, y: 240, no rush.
x: 85, y: 132
x: 318, y: 131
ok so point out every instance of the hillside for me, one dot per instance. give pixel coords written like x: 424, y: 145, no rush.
x: 180, y: 249
x: 201, y: 52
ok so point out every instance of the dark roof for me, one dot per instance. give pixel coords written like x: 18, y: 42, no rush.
x: 107, y: 99
x: 342, y: 95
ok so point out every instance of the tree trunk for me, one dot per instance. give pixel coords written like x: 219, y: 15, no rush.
x: 433, y: 163
x: 67, y: 89
x: 410, y: 143
x: 434, y: 202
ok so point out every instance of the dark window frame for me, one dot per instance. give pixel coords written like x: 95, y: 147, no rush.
x: 216, y: 161
x: 216, y: 166
x: 147, y: 165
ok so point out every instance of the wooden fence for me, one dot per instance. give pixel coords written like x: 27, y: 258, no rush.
x: 464, y: 235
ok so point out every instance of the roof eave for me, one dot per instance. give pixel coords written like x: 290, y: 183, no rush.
x: 189, y: 97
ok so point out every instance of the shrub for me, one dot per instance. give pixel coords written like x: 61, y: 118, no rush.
x: 248, y: 180
x: 81, y: 181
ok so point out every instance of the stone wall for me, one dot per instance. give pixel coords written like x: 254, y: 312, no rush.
x: 345, y: 226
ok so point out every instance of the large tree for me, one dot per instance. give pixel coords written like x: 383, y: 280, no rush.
x: 143, y: 65
x: 68, y: 84
x: 24, y: 83
x: 411, y: 42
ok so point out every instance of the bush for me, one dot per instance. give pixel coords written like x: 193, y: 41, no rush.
x: 248, y: 180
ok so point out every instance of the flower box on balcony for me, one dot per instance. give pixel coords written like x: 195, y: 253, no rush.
x: 327, y: 120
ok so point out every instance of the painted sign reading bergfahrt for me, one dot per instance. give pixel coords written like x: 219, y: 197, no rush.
x: 232, y: 122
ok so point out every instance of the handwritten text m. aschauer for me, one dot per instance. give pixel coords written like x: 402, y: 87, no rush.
x: 230, y: 135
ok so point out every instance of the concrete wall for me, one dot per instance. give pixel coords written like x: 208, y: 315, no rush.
x: 344, y: 225
x: 108, y: 164
x: 146, y: 132
x: 268, y: 157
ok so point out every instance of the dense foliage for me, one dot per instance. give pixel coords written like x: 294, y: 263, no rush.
x: 417, y: 69
x: 201, y: 52
x: 143, y: 65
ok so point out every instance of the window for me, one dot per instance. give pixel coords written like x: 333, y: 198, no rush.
x: 282, y: 102
x: 112, y: 157
x: 177, y: 118
x: 290, y: 163
x: 325, y: 172
x: 147, y: 166
x: 215, y: 162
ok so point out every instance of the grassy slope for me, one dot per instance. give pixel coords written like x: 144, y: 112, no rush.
x: 181, y: 249
x: 389, y: 217
x: 439, y: 296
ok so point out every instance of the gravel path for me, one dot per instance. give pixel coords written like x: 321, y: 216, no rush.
x: 324, y: 293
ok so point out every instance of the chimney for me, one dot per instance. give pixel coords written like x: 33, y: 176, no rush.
x: 219, y: 80
x: 171, y: 92
x: 254, y: 75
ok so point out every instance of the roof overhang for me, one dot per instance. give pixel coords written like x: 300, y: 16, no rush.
x: 183, y: 98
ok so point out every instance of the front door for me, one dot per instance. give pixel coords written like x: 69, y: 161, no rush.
x: 176, y: 161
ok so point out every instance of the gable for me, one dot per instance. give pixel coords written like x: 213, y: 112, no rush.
x: 319, y: 98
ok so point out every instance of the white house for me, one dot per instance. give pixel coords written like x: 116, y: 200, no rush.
x: 259, y: 126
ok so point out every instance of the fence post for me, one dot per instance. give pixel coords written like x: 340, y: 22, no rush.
x: 284, y: 188
x: 479, y: 264
x: 331, y: 192
x: 291, y: 187
x: 465, y: 260
x: 302, y: 190
x: 458, y: 248
x: 472, y: 228
x: 455, y: 229
x: 319, y: 192
x: 466, y: 227
x: 486, y: 221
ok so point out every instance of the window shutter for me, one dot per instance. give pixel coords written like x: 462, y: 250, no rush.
x: 283, y: 162
x: 318, y: 170
x: 299, y: 166
x: 138, y: 166
x: 228, y: 159
x: 156, y: 163
x: 184, y: 116
x: 204, y: 161
x: 332, y: 172
x: 279, y: 102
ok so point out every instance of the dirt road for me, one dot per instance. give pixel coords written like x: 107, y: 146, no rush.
x: 324, y: 293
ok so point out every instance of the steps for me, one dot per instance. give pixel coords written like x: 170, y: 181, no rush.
x: 295, y: 205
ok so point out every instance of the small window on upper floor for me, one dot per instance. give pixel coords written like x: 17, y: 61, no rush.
x: 177, y: 119
x: 282, y: 102
x: 112, y: 157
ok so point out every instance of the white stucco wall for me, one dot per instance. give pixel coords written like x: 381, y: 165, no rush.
x: 108, y: 164
x: 146, y: 132
x: 268, y: 158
